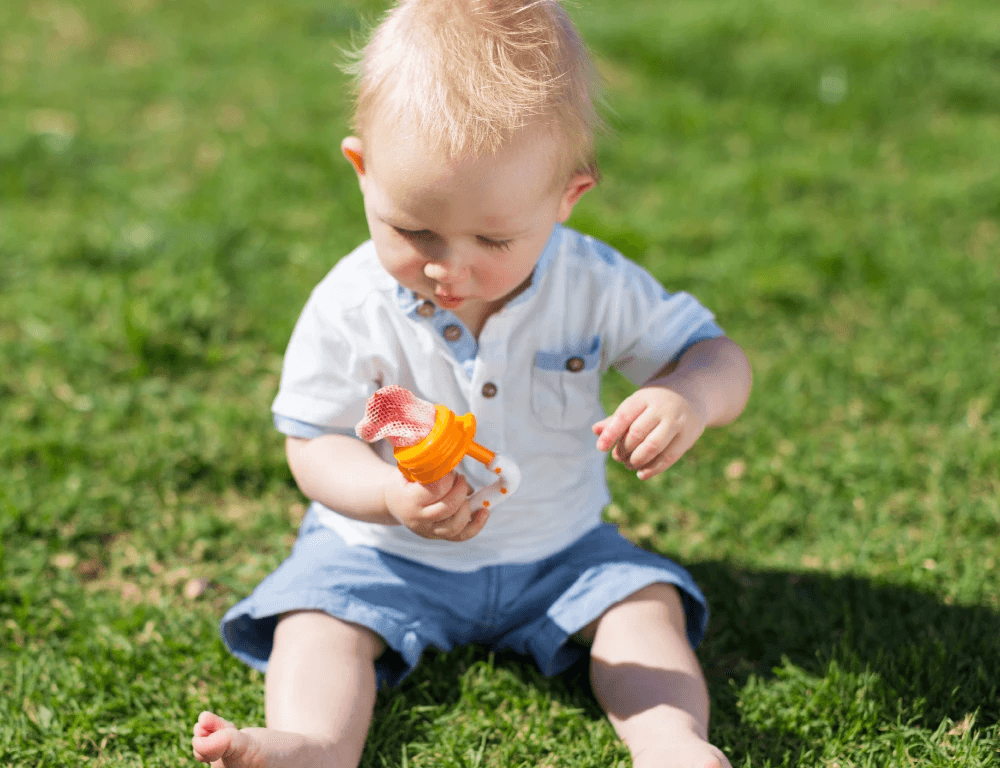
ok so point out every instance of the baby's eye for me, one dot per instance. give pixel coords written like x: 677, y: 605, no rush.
x: 494, y: 245
x: 420, y: 235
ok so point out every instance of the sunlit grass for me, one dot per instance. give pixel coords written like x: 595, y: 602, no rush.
x: 821, y: 175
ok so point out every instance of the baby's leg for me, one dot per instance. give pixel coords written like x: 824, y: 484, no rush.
x: 319, y: 697
x: 649, y: 682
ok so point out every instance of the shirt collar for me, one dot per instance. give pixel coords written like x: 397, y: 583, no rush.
x: 543, y: 265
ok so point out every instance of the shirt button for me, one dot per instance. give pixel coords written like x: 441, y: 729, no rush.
x: 489, y: 389
x: 452, y: 332
x: 426, y: 309
x: 574, y: 364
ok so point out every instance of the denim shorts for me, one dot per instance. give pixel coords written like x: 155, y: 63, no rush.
x: 531, y: 609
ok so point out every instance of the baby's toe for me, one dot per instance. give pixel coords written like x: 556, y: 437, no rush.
x: 213, y: 737
x: 209, y: 722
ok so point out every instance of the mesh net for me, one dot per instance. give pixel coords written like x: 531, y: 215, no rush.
x: 397, y: 415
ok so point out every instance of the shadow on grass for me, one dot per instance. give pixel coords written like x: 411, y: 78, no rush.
x: 921, y: 647
x: 870, y: 655
x: 911, y: 657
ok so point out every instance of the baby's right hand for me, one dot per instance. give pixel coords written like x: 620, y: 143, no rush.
x: 438, y: 510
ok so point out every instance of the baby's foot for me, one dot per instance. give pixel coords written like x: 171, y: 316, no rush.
x: 220, y: 743
x: 693, y: 752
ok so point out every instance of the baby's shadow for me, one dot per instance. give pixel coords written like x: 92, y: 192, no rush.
x: 929, y: 660
x: 910, y: 653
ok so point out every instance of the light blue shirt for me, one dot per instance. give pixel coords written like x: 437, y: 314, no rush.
x: 532, y: 380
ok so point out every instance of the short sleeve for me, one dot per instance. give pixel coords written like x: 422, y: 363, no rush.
x: 646, y: 326
x: 707, y: 330
x: 331, y: 367
x: 295, y: 428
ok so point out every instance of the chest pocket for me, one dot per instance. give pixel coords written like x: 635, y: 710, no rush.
x: 566, y: 386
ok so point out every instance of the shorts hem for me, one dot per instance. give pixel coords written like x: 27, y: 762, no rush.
x: 571, y: 620
x: 248, y: 629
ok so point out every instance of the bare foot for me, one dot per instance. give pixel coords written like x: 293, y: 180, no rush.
x: 220, y: 743
x: 682, y: 753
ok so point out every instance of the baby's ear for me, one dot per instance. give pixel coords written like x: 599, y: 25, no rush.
x: 578, y: 184
x: 354, y: 151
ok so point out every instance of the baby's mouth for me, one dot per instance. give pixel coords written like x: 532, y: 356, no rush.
x: 448, y: 301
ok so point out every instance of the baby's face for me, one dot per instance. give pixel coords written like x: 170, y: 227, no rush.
x: 464, y: 234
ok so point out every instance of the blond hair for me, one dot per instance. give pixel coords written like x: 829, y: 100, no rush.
x: 467, y: 75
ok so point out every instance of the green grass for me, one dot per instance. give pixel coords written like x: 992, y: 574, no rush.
x: 823, y: 175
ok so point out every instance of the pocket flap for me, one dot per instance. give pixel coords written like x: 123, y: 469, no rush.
x: 586, y: 358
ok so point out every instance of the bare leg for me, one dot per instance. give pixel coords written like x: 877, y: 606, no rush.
x: 319, y: 697
x: 649, y: 682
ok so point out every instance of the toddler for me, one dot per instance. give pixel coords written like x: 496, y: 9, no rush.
x: 474, y: 126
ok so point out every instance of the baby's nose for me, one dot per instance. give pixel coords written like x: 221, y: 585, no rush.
x: 445, y: 270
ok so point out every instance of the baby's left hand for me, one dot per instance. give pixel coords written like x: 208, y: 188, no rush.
x: 652, y: 429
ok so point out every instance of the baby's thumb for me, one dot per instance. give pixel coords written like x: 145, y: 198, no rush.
x: 441, y: 487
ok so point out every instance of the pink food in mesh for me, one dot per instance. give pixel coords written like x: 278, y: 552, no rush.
x: 398, y: 415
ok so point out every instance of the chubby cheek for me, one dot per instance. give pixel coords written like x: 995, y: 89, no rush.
x: 500, y: 281
x: 516, y: 267
x: 400, y: 261
x: 397, y: 258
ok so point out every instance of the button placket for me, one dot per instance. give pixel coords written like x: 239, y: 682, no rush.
x: 487, y: 399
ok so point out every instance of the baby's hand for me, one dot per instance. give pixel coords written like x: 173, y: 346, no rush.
x: 438, y: 510
x: 652, y: 429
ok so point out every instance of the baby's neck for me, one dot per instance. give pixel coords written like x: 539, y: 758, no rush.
x: 488, y: 310
x: 475, y: 317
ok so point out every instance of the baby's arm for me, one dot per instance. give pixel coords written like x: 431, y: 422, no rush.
x: 652, y: 428
x: 345, y: 474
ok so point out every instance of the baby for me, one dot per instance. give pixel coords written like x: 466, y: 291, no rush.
x: 474, y: 128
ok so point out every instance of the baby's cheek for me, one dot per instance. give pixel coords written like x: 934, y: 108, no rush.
x: 406, y: 268
x: 506, y: 278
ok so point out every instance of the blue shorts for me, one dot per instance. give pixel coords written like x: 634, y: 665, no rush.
x: 531, y: 609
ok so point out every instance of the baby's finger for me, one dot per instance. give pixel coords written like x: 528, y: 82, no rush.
x: 660, y: 464
x: 618, y: 423
x: 447, y: 505
x: 458, y: 493
x: 438, y: 490
x: 669, y: 456
x: 641, y: 431
x: 476, y: 524
x: 453, y: 526
x: 652, y: 445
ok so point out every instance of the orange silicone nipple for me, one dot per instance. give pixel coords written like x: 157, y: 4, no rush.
x: 449, y: 441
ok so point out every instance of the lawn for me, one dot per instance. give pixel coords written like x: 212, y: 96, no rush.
x: 823, y: 175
